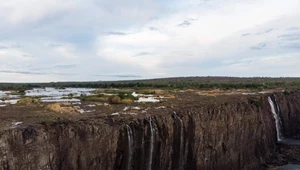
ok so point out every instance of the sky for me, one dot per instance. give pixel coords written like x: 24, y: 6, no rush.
x: 93, y: 40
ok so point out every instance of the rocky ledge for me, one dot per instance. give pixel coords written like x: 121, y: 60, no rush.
x: 234, y: 132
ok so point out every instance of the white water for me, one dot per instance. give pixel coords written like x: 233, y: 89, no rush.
x: 11, y: 101
x: 53, y: 92
x: 277, y: 119
x: 48, y: 94
x: 58, y: 99
x: 148, y: 99
x: 15, y: 124
x: 130, y: 143
x: 278, y: 122
x: 151, y: 144
x: 8, y: 94
x: 2, y: 94
x: 86, y: 111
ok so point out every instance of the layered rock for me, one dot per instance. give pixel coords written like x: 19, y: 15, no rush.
x: 223, y: 135
x: 64, y: 145
x: 289, y: 104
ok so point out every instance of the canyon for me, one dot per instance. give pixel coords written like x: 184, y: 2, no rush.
x: 191, y: 131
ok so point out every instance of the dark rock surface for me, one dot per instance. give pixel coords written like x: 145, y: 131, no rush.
x: 236, y: 135
x: 290, y: 113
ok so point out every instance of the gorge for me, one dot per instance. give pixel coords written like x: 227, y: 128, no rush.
x: 192, y: 132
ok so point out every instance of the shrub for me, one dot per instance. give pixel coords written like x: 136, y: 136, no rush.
x: 114, y: 100
x: 70, y: 96
x: 61, y: 108
x: 127, y: 101
x: 19, y: 92
x: 146, y: 91
x: 29, y: 100
x: 127, y: 95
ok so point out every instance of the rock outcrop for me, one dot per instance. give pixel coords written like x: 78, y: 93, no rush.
x: 290, y: 113
x: 238, y: 135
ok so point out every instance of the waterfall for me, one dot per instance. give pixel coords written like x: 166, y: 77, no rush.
x: 178, y: 120
x: 275, y: 111
x: 130, y: 144
x: 153, y: 131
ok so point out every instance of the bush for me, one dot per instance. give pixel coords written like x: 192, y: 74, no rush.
x: 29, y: 100
x: 62, y: 108
x: 127, y: 101
x: 19, y: 92
x: 114, y: 100
x: 145, y: 91
x: 70, y: 96
x: 126, y: 95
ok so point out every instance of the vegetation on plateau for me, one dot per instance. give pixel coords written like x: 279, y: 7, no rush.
x: 168, y: 83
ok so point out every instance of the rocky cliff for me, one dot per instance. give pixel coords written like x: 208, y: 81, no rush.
x: 288, y: 103
x: 229, y: 132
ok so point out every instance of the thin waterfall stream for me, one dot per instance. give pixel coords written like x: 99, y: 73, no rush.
x: 130, y: 143
x: 151, y: 144
x: 278, y: 122
x: 279, y: 130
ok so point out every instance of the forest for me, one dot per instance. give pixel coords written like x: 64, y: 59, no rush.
x: 170, y: 83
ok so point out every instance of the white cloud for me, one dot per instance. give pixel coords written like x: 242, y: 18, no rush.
x: 20, y: 12
x: 147, y: 38
x: 207, y: 36
x: 66, y: 53
x: 267, y: 66
x: 16, y: 77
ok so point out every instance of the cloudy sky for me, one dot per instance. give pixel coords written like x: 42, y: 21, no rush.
x: 88, y: 40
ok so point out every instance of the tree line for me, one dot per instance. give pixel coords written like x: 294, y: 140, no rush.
x: 178, y: 83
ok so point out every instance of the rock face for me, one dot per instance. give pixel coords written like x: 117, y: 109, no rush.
x: 77, y: 145
x: 290, y: 113
x: 229, y: 135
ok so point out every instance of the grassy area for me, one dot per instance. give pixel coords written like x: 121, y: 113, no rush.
x: 95, y: 98
x: 145, y: 91
x: 62, y: 108
x: 29, y: 100
x: 20, y: 92
x: 119, y: 96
